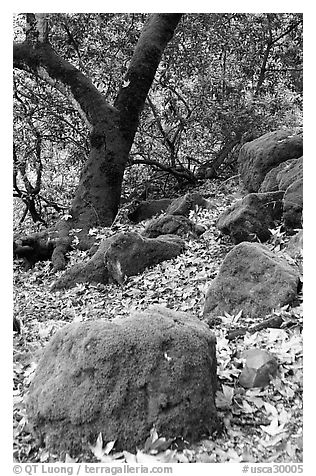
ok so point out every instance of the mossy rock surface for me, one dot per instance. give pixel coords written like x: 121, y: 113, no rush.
x: 153, y: 368
x: 252, y: 279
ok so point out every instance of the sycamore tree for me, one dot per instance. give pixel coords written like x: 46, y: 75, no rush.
x: 112, y: 126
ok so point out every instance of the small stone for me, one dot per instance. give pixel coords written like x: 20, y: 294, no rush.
x: 260, y: 367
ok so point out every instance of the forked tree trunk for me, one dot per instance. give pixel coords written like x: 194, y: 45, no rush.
x: 112, y: 128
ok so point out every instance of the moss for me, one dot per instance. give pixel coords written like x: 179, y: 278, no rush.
x: 101, y: 377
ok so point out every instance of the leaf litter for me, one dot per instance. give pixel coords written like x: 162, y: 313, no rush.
x: 261, y: 424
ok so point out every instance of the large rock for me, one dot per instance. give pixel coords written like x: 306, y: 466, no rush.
x: 253, y: 279
x: 258, y: 157
x: 35, y: 247
x: 252, y: 217
x: 153, y: 368
x: 288, y: 176
x: 131, y: 253
x: 172, y: 225
x: 94, y: 270
x: 293, y: 205
x: 124, y: 254
x: 148, y: 209
x: 183, y: 205
x: 294, y: 247
x: 282, y: 176
x: 178, y: 206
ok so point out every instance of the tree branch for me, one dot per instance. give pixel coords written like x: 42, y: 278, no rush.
x: 286, y: 32
x: 164, y: 134
x: 41, y: 60
x: 263, y: 68
x: 270, y: 322
x: 181, y: 175
x: 142, y: 69
x: 270, y: 43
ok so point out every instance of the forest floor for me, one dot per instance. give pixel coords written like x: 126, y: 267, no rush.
x: 261, y: 425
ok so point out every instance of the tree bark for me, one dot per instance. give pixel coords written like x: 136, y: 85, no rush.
x: 112, y: 128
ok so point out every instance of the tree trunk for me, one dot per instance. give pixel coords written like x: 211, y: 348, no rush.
x: 112, y: 128
x: 211, y: 167
x: 98, y: 193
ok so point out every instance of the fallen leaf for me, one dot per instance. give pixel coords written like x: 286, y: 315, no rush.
x: 224, y: 398
x: 182, y: 458
x: 233, y: 456
x: 274, y: 428
x: 68, y: 459
x: 97, y: 449
x: 130, y: 458
x: 291, y: 450
x: 44, y: 456
x: 274, y: 440
x: 145, y: 458
x: 108, y: 447
x: 246, y: 407
x: 270, y: 409
x: 258, y: 402
x: 20, y: 427
x: 168, y: 456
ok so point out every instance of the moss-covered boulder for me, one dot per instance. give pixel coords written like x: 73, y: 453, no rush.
x: 251, y: 218
x: 252, y: 279
x: 172, y: 225
x: 123, y: 254
x: 258, y: 157
x: 153, y: 368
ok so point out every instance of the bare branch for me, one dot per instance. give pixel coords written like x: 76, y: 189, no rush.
x: 42, y: 61
x: 180, y: 174
x: 286, y: 32
x: 164, y: 134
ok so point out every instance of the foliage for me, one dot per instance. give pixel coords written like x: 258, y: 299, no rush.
x: 214, y: 90
x: 207, y: 100
x: 48, y: 137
